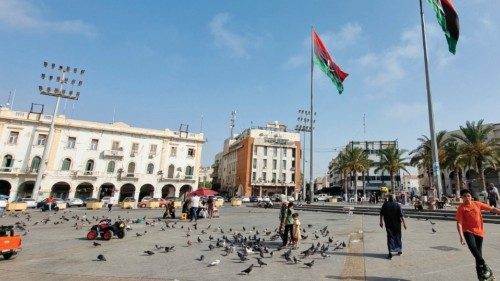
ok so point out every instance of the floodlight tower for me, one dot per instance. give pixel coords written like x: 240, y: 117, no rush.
x: 59, y: 92
x: 303, y: 125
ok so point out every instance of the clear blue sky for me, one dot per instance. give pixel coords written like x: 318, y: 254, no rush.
x: 163, y: 63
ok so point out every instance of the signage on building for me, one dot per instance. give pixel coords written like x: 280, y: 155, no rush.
x: 276, y: 141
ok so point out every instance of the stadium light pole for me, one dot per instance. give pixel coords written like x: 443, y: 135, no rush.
x: 303, y: 125
x: 58, y: 92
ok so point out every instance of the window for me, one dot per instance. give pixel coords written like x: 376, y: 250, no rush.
x: 275, y: 163
x: 13, y: 136
x: 171, y: 170
x: 283, y: 164
x: 89, y: 167
x: 274, y: 177
x: 189, y: 171
x: 191, y: 152
x: 152, y: 149
x: 173, y: 151
x: 264, y: 163
x: 131, y: 169
x: 111, y: 167
x: 150, y: 169
x: 35, y: 164
x: 293, y: 177
x: 265, y: 150
x: 66, y: 164
x: 283, y: 177
x: 254, y: 176
x: 254, y: 164
x: 275, y: 151
x: 71, y: 142
x: 264, y: 176
x: 254, y: 150
x: 135, y: 148
x: 284, y: 151
x: 7, y: 164
x: 115, y: 145
x: 93, y: 144
x: 41, y: 139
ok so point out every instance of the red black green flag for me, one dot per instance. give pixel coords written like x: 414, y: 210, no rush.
x: 323, y: 59
x: 448, y: 19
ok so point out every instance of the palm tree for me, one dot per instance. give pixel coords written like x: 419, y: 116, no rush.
x: 392, y: 161
x: 454, y: 161
x: 422, y: 155
x: 341, y: 168
x: 478, y: 147
x: 358, y: 162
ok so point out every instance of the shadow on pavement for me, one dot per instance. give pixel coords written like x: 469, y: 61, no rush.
x: 371, y: 255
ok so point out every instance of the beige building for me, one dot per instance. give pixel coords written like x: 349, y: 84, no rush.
x: 205, y: 175
x: 91, y: 159
x: 260, y: 161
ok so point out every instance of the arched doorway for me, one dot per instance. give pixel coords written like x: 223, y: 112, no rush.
x: 146, y: 190
x: 184, y: 190
x: 106, y: 189
x: 60, y: 190
x: 5, y: 188
x: 25, y: 189
x: 127, y: 190
x: 84, y: 190
x: 167, y: 190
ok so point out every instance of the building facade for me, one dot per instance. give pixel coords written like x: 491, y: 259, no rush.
x: 205, y: 175
x: 260, y: 161
x: 372, y: 181
x: 90, y: 159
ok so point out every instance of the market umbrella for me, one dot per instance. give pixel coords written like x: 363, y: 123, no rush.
x: 203, y: 192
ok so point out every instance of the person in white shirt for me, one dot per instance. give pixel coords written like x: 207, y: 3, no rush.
x: 195, y: 203
x: 110, y: 203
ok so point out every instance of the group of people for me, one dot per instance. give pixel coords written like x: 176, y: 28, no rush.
x: 193, y: 206
x: 289, y: 227
x: 470, y: 226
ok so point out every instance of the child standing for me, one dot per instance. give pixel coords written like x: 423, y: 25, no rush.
x: 296, y: 231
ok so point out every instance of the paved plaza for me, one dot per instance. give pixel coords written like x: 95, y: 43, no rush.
x: 59, y: 251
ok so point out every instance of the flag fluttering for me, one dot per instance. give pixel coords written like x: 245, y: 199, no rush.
x: 322, y: 58
x: 448, y: 19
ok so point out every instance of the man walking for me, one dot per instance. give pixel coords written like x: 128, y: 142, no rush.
x: 471, y: 232
x: 110, y: 203
x: 392, y: 215
x: 492, y: 195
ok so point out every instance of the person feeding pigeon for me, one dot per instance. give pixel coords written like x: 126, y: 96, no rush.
x: 471, y: 232
x: 392, y: 215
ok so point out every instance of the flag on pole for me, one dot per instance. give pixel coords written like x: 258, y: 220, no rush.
x: 322, y: 58
x: 448, y: 19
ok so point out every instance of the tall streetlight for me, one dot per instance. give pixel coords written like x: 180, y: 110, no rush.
x: 303, y: 125
x: 59, y: 92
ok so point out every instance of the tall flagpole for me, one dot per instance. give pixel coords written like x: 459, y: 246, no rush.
x: 435, y: 159
x: 311, y: 143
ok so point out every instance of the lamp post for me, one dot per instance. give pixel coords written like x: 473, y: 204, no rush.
x: 303, y: 125
x: 59, y: 92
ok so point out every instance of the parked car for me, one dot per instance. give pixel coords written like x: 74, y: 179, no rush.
x: 245, y: 199
x: 321, y: 197
x: 105, y: 199
x: 74, y: 202
x: 30, y: 202
x: 266, y: 199
x: 146, y: 199
x: 89, y: 200
x: 3, y: 201
x: 129, y: 199
x: 44, y: 201
x: 255, y: 198
x: 291, y: 199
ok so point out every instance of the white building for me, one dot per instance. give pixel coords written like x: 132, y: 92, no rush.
x: 90, y: 159
x: 205, y: 175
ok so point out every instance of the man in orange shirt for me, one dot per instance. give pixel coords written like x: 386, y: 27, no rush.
x: 471, y: 231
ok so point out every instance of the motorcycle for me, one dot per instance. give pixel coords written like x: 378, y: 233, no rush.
x: 106, y: 230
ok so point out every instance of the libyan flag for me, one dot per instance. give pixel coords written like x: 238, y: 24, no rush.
x: 323, y: 59
x: 448, y: 19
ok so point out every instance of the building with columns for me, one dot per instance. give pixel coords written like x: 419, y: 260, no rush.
x: 91, y: 159
x: 260, y: 161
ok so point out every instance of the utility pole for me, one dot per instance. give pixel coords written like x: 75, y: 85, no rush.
x: 58, y: 92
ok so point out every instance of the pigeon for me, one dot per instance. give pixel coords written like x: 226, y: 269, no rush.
x: 433, y: 230
x: 96, y: 244
x: 309, y: 225
x: 214, y: 263
x: 201, y: 258
x: 169, y: 249
x: 211, y: 247
x: 309, y: 264
x: 344, y: 244
x: 433, y: 223
x: 324, y: 255
x: 138, y: 234
x: 158, y: 247
x: 150, y: 253
x: 260, y: 262
x: 288, y: 259
x: 296, y: 260
x: 189, y: 243
x: 199, y: 239
x: 101, y: 257
x: 242, y: 256
x: 248, y: 270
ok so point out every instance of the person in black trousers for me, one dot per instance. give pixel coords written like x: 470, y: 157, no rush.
x: 288, y: 224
